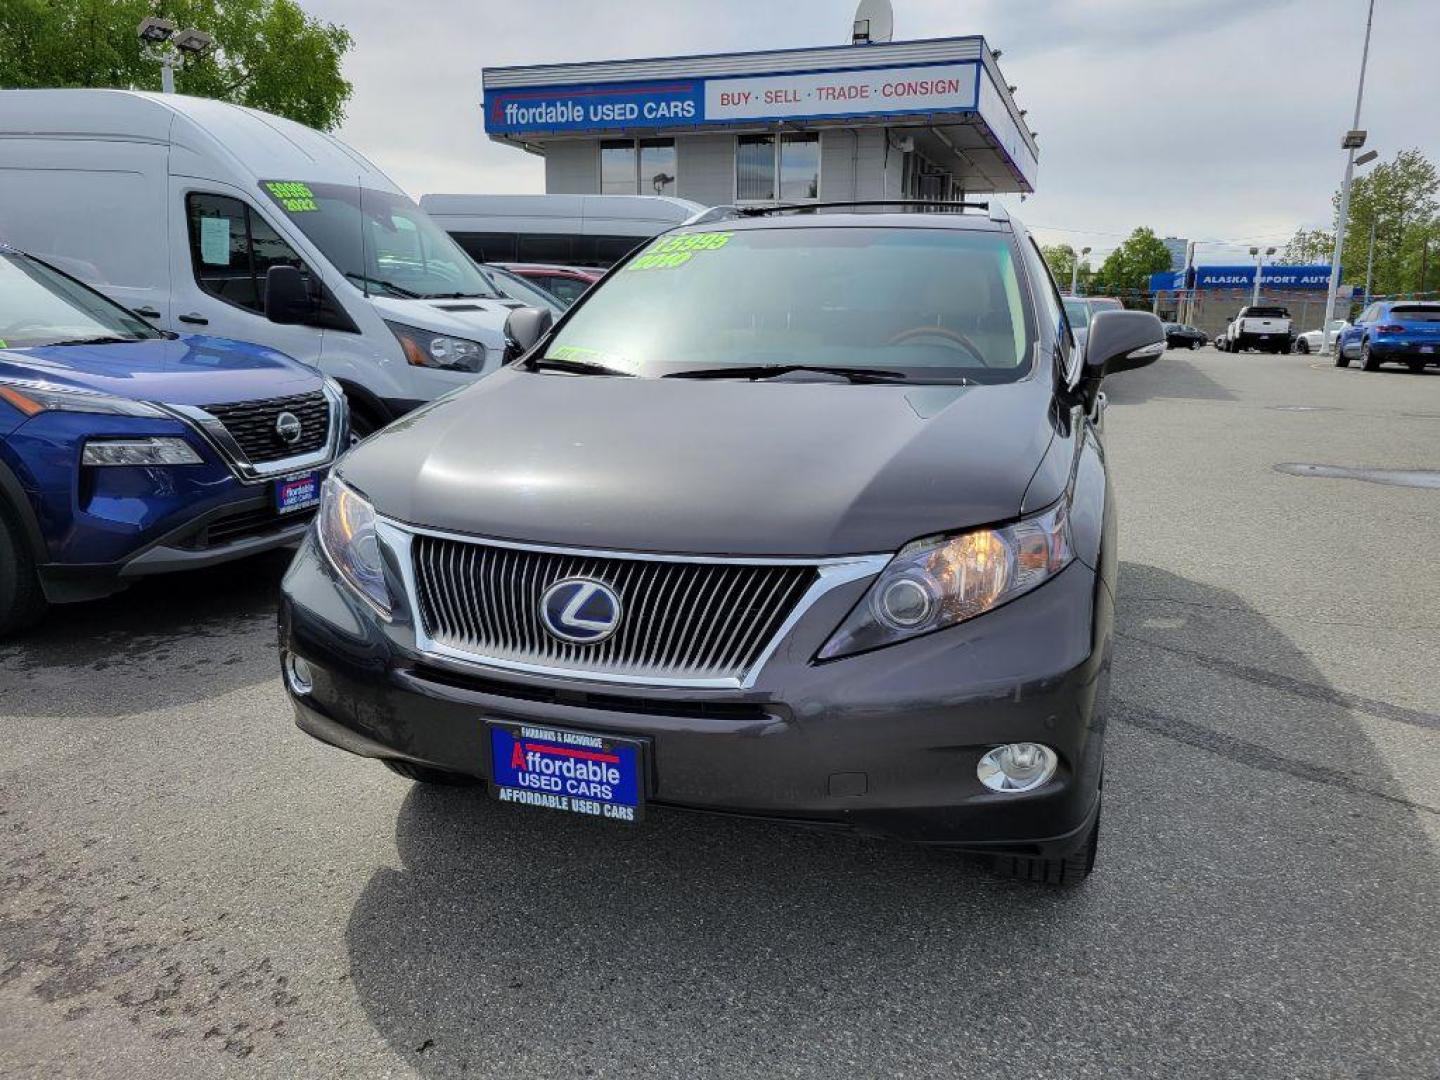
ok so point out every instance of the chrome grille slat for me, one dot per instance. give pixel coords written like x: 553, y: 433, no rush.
x: 692, y: 619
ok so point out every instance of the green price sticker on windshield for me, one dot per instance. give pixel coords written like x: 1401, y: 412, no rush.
x: 294, y: 196
x: 671, y: 251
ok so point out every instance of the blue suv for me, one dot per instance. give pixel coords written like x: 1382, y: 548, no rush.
x: 127, y: 451
x: 1403, y: 331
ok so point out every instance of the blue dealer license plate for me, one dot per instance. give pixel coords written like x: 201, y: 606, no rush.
x: 297, y: 492
x: 572, y: 771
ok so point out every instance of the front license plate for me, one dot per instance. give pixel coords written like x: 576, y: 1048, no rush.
x: 297, y: 492
x: 575, y: 772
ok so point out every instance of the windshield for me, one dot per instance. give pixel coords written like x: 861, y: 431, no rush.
x: 397, y: 251
x: 517, y: 288
x: 41, y: 306
x: 1078, y: 312
x: 930, y: 305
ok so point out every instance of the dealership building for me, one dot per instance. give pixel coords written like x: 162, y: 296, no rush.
x: 1208, y: 297
x: 906, y: 119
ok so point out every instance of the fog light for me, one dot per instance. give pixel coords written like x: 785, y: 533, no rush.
x: 298, y: 675
x: 1017, y: 767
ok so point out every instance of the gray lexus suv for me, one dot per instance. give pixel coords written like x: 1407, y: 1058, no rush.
x: 797, y: 516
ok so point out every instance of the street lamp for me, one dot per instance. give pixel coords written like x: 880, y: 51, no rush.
x: 1259, y: 270
x: 1075, y: 269
x: 163, y: 44
x: 1353, y: 141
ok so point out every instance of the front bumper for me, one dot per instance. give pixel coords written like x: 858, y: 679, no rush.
x: 883, y: 743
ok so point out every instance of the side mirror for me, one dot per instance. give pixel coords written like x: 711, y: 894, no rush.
x: 287, y: 298
x: 1120, y: 341
x: 524, y: 327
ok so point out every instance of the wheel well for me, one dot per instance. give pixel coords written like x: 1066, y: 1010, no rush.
x: 15, y: 506
x: 368, y: 402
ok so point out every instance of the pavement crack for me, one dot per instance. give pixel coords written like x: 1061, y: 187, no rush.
x: 1248, y: 753
x: 1298, y: 687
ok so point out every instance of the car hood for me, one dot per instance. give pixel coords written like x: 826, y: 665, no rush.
x: 473, y: 318
x: 190, y: 370
x: 707, y: 467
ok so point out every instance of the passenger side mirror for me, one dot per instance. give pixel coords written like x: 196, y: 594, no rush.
x: 1120, y: 341
x: 523, y: 328
x: 287, y: 297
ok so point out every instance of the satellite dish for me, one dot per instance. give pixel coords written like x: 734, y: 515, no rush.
x: 874, y: 22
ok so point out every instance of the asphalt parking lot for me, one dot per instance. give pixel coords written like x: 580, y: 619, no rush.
x: 193, y: 888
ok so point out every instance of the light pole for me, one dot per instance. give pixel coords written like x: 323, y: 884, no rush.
x: 1075, y: 270
x: 1354, y: 140
x: 1259, y: 271
x: 162, y: 44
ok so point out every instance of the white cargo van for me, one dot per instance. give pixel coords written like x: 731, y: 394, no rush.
x: 571, y: 230
x: 177, y: 207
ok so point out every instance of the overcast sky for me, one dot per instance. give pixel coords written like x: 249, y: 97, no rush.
x: 1217, y: 120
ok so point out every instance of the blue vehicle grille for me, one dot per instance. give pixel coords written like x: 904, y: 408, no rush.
x: 252, y: 424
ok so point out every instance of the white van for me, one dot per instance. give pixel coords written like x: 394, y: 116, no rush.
x: 177, y: 207
x: 569, y: 230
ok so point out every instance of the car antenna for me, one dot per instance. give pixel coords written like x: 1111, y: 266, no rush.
x: 360, y: 214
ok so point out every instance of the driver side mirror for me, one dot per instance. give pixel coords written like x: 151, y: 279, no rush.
x: 1120, y: 341
x: 287, y: 297
x: 523, y: 328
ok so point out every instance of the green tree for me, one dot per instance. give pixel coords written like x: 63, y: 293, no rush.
x: 1308, y: 247
x: 1129, y: 266
x: 1399, y: 198
x: 1061, y: 260
x: 268, y: 53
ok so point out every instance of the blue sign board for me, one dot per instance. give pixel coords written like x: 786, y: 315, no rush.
x: 580, y: 108
x: 1243, y: 277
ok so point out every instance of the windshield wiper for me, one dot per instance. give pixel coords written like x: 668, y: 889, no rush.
x: 575, y: 367
x: 104, y: 339
x: 460, y: 296
x: 771, y: 371
x: 396, y: 289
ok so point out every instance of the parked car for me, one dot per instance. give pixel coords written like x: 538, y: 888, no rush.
x: 127, y: 451
x: 796, y: 517
x: 1400, y: 331
x: 564, y: 282
x: 525, y: 293
x: 1314, y: 341
x: 179, y: 207
x: 1182, y: 336
x: 1079, y: 310
x: 1256, y: 326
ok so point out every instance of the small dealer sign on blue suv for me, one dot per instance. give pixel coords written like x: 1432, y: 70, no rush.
x: 799, y: 517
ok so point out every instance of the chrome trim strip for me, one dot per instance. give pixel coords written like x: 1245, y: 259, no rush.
x: 830, y: 573
x: 209, y: 428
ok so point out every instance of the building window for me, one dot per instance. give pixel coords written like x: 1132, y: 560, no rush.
x: 643, y: 167
x: 788, y: 167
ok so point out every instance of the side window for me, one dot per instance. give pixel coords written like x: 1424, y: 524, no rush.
x: 566, y: 288
x: 232, y: 247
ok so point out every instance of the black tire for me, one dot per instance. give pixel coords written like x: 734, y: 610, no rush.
x: 22, y: 601
x: 1416, y: 367
x: 1368, y: 360
x: 363, y: 420
x: 1302, y: 347
x: 423, y: 774
x: 1071, y: 870
x: 1341, y: 360
x: 1194, y: 345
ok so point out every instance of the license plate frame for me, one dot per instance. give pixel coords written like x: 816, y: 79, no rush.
x: 298, y: 491
x: 594, y: 761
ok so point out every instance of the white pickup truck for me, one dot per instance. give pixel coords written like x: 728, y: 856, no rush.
x: 1264, y: 328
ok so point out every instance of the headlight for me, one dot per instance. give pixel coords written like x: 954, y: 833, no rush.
x: 32, y: 398
x: 155, y: 451
x: 424, y: 348
x: 941, y: 581
x: 346, y: 526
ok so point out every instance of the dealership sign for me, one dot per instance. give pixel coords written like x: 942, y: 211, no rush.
x: 1243, y: 277
x: 924, y: 88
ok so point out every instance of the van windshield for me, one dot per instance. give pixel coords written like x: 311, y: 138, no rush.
x: 379, y: 240
x: 920, y: 304
x: 41, y: 306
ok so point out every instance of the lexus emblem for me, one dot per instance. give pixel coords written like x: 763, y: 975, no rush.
x: 580, y: 610
x: 287, y: 426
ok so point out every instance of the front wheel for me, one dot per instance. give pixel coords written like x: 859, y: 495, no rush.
x: 1341, y: 360
x: 363, y: 421
x: 1071, y: 870
x: 1415, y: 366
x: 1302, y: 347
x: 1194, y: 345
x: 1368, y: 360
x: 22, y: 601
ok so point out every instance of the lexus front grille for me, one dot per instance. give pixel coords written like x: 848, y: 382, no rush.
x: 680, y: 620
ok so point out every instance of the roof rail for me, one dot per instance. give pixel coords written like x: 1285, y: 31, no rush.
x: 999, y: 213
x: 714, y: 213
x: 787, y: 208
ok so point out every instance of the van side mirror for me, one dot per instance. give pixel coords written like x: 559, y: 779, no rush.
x: 287, y: 297
x: 523, y: 328
x: 1120, y: 341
